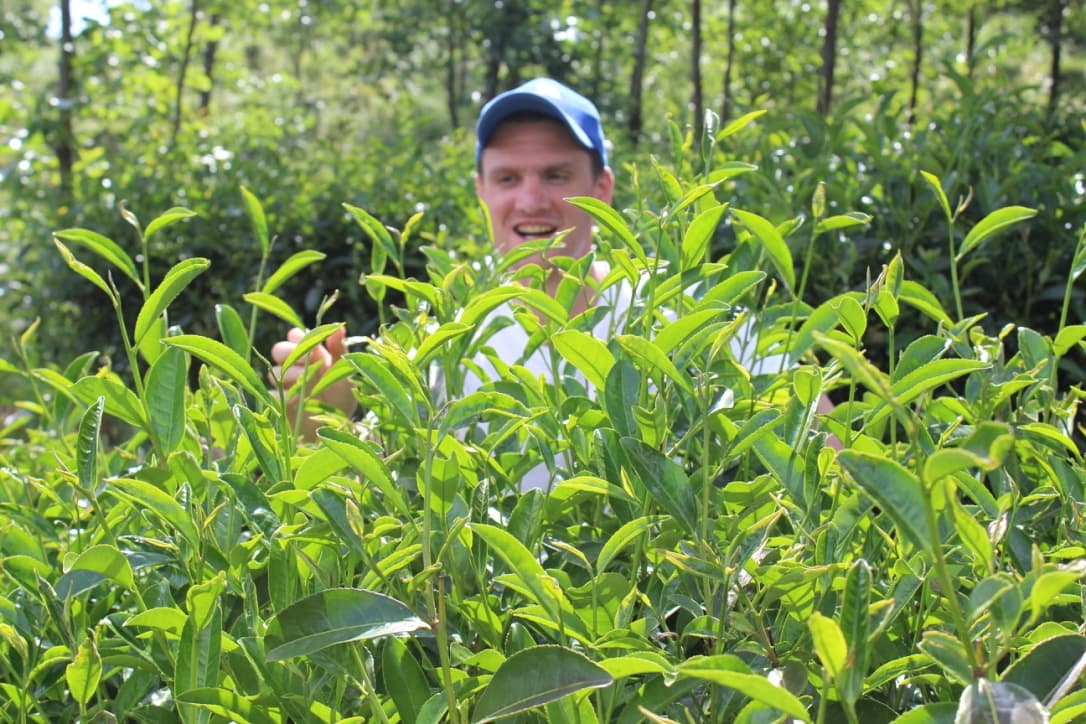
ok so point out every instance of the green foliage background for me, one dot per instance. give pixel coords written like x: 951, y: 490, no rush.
x: 370, y: 103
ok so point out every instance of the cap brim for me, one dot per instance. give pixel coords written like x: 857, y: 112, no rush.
x: 514, y: 102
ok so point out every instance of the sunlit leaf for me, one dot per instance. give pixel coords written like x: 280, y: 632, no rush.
x: 336, y: 616
x: 175, y: 281
x: 166, y: 219
x: 897, y: 491
x: 728, y: 670
x: 774, y: 245
x: 255, y: 211
x: 991, y: 224
x: 276, y: 307
x: 536, y: 676
x: 167, y: 383
x: 103, y: 247
x: 589, y: 355
x: 224, y: 359
x: 84, y: 673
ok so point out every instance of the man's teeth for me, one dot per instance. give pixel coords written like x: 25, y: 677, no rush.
x: 533, y: 230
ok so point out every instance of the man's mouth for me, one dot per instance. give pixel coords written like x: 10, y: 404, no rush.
x: 535, y: 231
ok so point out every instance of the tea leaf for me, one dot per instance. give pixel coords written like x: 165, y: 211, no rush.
x: 378, y: 232
x: 84, y: 673
x: 829, y: 643
x: 87, y: 273
x: 157, y: 502
x: 842, y: 221
x: 255, y: 211
x: 611, y: 220
x: 198, y: 656
x: 589, y: 355
x: 226, y: 360
x: 773, y: 244
x: 232, y: 329
x: 650, y: 356
x: 433, y: 342
x: 376, y: 371
x: 1067, y: 338
x: 937, y: 186
x: 624, y: 536
x: 103, y: 247
x: 361, y: 456
x: 855, y: 625
x: 699, y: 234
x: 166, y: 219
x: 949, y: 653
x: 897, y: 491
x: 86, y: 454
x: 167, y: 383
x: 665, y: 481
x: 294, y: 264
x: 739, y: 124
x: 335, y: 616
x: 534, y: 677
x: 275, y: 306
x: 1045, y: 668
x: 176, y: 279
x: 920, y: 298
x: 991, y: 224
x: 728, y: 670
x: 226, y: 704
x: 404, y: 679
x: 121, y: 402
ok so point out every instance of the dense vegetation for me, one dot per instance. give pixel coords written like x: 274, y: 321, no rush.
x: 172, y: 551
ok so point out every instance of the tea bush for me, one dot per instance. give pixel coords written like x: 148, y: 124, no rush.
x: 173, y: 551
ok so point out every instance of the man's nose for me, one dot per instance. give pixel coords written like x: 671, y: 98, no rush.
x: 531, y: 195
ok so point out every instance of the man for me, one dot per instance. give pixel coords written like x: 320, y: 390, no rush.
x: 536, y: 145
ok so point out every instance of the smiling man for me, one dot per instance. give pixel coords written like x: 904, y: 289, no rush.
x: 536, y: 145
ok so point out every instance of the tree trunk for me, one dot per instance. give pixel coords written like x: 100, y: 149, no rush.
x: 1055, y: 35
x: 209, y: 66
x: 194, y: 11
x: 916, y: 8
x: 971, y: 40
x: 637, y: 78
x: 695, y: 69
x: 64, y: 144
x: 729, y: 64
x: 451, y: 93
x: 829, y: 58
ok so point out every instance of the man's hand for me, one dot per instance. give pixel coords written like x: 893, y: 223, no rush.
x: 320, y: 358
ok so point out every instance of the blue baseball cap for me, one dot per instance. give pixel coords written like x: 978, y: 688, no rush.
x: 550, y: 98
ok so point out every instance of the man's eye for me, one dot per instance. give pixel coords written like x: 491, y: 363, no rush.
x: 558, y: 177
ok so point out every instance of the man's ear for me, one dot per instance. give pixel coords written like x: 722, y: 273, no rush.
x: 605, y: 185
x: 478, y: 183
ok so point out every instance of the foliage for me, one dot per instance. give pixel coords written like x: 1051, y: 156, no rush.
x: 173, y: 551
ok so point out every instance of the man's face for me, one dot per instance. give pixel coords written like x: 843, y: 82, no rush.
x: 525, y: 172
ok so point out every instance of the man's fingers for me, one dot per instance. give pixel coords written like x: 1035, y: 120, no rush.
x: 336, y: 343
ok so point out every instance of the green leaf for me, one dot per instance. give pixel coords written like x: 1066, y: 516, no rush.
x: 843, y: 221
x: 588, y: 354
x: 516, y: 556
x: 916, y: 296
x: 377, y: 231
x: 536, y: 676
x: 232, y: 329
x: 156, y: 501
x: 336, y: 616
x: 363, y: 457
x: 620, y: 395
x: 1048, y: 665
x: 377, y: 372
x: 949, y: 653
x: 738, y: 124
x: 276, y: 307
x: 666, y: 482
x: 852, y: 315
x: 297, y: 261
x: 728, y: 670
x: 731, y: 290
x: 773, y: 243
x: 652, y: 357
x: 626, y: 534
x: 173, y: 283
x: 103, y: 247
x: 829, y: 643
x: 255, y: 211
x: 199, y: 652
x: 856, y: 625
x: 937, y: 186
x: 924, y: 379
x: 84, y: 673
x: 699, y: 235
x: 86, y: 272
x: 404, y: 679
x: 108, y: 562
x: 86, y: 453
x: 168, y: 218
x: 229, y: 705
x: 1067, y: 338
x: 432, y: 343
x: 121, y: 402
x: 941, y: 713
x: 226, y: 360
x: 611, y: 220
x: 897, y: 491
x: 167, y: 383
x: 991, y: 224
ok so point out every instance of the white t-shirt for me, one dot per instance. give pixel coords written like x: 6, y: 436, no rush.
x: 511, y: 342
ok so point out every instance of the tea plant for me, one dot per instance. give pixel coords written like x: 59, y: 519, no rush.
x: 704, y: 553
